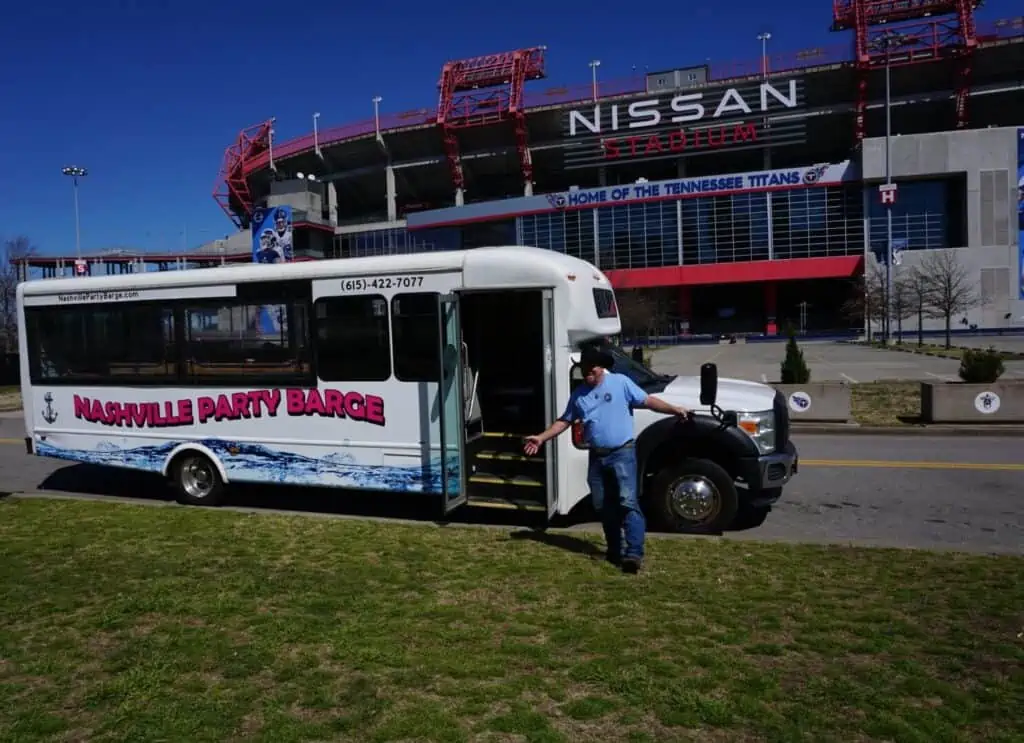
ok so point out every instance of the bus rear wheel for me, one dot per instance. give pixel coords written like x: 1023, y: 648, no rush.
x: 695, y: 496
x: 196, y: 480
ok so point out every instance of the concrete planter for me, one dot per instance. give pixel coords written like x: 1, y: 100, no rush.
x: 821, y: 402
x: 956, y: 402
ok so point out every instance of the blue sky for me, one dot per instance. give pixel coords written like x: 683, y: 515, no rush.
x: 147, y: 93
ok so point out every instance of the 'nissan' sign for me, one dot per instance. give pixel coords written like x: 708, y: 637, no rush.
x: 686, y: 123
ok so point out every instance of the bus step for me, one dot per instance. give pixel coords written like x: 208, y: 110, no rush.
x: 507, y: 456
x: 486, y: 478
x: 501, y: 435
x: 509, y: 504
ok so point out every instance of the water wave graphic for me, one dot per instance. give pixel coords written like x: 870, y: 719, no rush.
x: 247, y: 462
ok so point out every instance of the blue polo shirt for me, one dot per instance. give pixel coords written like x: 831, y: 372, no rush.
x: 605, y: 410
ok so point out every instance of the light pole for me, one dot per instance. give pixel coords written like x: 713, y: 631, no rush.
x: 270, y: 144
x: 75, y: 172
x: 316, y: 134
x: 376, y: 114
x: 763, y: 38
x: 887, y: 42
x: 594, y: 64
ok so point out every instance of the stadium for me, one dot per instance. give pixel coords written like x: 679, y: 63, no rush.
x: 724, y: 198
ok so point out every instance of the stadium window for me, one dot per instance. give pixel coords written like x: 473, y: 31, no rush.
x: 259, y: 337
x: 414, y: 324
x: 352, y: 339
x: 110, y: 344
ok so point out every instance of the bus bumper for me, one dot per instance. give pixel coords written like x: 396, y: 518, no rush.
x: 766, y: 475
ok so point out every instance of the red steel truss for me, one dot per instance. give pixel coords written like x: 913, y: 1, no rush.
x: 487, y: 90
x: 903, y: 32
x: 231, y: 181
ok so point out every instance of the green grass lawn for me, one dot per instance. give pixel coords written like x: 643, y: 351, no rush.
x: 885, y: 403
x: 134, y: 623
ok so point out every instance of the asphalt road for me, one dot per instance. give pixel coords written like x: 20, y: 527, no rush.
x: 896, y: 491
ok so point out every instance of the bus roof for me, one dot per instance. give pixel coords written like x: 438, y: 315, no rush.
x: 504, y: 266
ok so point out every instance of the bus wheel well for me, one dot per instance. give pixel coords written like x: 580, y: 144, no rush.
x: 197, y: 477
x: 672, y: 451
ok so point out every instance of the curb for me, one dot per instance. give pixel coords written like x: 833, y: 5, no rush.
x: 854, y: 429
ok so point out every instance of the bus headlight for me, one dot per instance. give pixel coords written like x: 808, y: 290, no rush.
x: 761, y: 428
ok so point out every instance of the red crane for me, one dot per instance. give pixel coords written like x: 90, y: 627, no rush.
x: 487, y: 90
x: 905, y: 32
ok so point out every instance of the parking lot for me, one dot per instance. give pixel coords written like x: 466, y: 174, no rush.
x: 828, y: 361
x: 1014, y: 343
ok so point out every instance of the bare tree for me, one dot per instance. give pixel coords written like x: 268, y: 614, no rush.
x: 11, y: 250
x: 640, y: 312
x: 917, y: 298
x: 868, y: 300
x: 948, y: 288
x: 902, y: 306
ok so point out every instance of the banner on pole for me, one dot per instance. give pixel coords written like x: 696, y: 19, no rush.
x: 1020, y: 211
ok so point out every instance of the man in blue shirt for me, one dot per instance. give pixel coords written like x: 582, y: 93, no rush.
x: 604, y: 404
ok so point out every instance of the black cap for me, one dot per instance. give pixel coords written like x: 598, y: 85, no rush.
x: 592, y: 357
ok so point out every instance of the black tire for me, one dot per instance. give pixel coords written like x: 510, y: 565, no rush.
x: 196, y: 480
x: 710, y: 514
x: 750, y: 517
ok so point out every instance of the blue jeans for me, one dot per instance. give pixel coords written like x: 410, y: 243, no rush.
x: 612, y: 480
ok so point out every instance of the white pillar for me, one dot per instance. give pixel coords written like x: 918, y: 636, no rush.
x: 392, y: 194
x: 460, y: 197
x: 332, y: 203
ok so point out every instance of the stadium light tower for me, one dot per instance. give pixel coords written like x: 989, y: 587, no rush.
x: 888, y: 42
x: 75, y: 173
x: 594, y: 64
x: 764, y: 38
x: 376, y: 114
x: 316, y: 134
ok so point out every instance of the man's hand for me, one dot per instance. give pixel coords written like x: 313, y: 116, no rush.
x: 532, y: 444
x: 683, y: 413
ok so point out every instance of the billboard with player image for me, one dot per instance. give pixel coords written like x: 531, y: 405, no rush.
x: 1020, y: 210
x: 272, y: 235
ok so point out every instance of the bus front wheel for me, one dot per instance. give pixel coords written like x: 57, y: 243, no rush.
x: 696, y: 496
x: 196, y: 480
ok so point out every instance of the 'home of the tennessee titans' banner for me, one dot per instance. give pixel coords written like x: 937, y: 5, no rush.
x: 701, y: 186
x: 678, y: 188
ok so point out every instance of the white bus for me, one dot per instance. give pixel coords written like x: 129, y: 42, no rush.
x: 413, y: 373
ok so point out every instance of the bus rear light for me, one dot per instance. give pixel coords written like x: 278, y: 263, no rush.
x: 577, y: 435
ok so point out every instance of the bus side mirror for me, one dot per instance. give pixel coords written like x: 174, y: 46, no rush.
x: 708, y: 384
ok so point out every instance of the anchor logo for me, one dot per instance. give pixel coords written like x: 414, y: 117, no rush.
x: 49, y: 414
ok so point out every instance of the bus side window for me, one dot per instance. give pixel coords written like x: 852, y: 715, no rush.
x: 414, y: 328
x: 353, y: 341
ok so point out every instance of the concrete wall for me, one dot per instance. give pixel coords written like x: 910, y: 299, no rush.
x: 988, y: 158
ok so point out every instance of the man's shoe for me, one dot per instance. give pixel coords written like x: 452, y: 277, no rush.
x: 614, y: 559
x: 632, y: 565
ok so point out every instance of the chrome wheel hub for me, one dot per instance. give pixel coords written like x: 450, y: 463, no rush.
x: 198, y: 477
x: 694, y: 498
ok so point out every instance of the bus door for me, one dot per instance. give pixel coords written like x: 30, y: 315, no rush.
x: 451, y: 405
x: 551, y: 404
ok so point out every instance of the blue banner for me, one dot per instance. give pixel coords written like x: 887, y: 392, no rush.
x: 1020, y: 209
x: 272, y: 235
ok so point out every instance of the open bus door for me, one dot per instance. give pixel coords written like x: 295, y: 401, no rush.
x: 451, y: 405
x: 551, y: 406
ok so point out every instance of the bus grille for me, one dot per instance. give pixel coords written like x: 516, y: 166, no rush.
x: 781, y: 421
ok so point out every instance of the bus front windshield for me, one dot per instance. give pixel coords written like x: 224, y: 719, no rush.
x: 624, y: 364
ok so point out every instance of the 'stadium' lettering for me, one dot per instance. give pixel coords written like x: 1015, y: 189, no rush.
x: 232, y: 406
